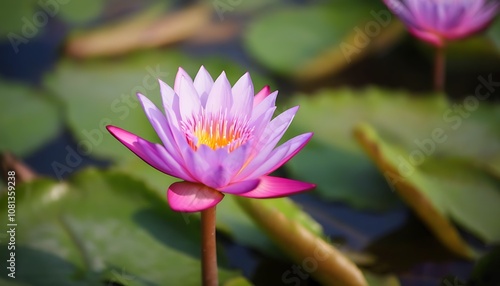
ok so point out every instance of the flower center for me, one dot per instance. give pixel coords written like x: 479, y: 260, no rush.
x: 216, y: 131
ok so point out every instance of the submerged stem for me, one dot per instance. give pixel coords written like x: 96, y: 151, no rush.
x: 208, y: 248
x: 439, y: 69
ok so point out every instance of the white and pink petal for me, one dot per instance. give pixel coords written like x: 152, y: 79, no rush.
x: 170, y: 101
x: 220, y: 97
x: 279, y: 156
x: 189, y: 101
x: 215, y: 168
x: 263, y: 93
x: 181, y: 73
x: 243, y: 97
x: 160, y: 125
x: 203, y: 83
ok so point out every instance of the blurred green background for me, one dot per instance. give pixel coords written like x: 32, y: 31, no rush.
x: 408, y: 179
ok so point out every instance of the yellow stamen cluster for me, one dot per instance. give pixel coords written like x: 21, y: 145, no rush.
x: 216, y: 131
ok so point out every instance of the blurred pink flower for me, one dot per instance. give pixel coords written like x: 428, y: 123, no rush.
x: 438, y: 21
x: 218, y: 139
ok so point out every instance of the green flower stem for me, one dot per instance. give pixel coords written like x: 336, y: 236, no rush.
x: 208, y: 248
x: 439, y: 69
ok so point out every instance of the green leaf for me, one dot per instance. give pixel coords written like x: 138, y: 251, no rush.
x: 318, y: 38
x: 27, y: 118
x: 333, y: 160
x: 101, y: 92
x: 439, y: 189
x: 101, y: 226
x: 333, y: 114
x: 413, y: 122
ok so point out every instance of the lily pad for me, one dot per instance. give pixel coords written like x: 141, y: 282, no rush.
x: 412, y: 122
x: 333, y: 159
x: 320, y: 38
x: 98, y: 228
x: 28, y: 119
x: 439, y: 190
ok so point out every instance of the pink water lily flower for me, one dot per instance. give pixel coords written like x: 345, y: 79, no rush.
x: 438, y: 21
x: 218, y: 139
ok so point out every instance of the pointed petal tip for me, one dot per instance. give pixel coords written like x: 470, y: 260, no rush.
x: 295, y: 108
x: 140, y: 96
x: 304, y: 139
x: 117, y: 131
x: 247, y: 74
x: 265, y: 91
x: 113, y: 130
x: 309, y: 135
